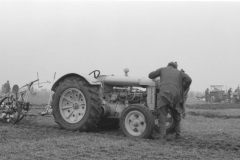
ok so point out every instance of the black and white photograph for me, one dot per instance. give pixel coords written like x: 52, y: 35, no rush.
x: 119, y: 80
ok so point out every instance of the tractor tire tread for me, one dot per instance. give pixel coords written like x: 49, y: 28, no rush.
x: 95, y: 102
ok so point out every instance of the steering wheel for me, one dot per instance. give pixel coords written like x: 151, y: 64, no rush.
x: 96, y: 73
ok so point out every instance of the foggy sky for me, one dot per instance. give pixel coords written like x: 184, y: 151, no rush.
x: 79, y: 36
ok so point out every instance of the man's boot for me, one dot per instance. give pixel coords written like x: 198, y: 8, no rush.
x: 177, y: 130
x: 162, y: 131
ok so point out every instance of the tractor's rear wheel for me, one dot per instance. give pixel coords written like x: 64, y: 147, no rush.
x: 137, y: 122
x: 170, y: 123
x: 232, y: 100
x: 76, y: 105
x: 212, y: 99
x: 226, y: 100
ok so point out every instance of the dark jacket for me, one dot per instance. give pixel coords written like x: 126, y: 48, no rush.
x: 173, y: 83
x: 229, y: 92
x: 7, y: 87
x: 206, y: 92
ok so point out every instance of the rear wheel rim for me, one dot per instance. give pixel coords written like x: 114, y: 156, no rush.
x: 135, y: 123
x: 169, y: 120
x: 72, y: 105
x: 212, y: 98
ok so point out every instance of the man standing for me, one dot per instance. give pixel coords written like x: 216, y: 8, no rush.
x: 207, y: 95
x: 229, y: 94
x: 3, y: 88
x: 237, y: 90
x: 173, y: 83
x: 7, y: 87
x: 238, y: 94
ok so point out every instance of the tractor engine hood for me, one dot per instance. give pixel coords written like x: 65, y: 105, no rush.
x: 127, y: 81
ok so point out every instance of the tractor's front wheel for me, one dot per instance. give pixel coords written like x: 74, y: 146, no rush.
x: 76, y: 105
x: 137, y: 122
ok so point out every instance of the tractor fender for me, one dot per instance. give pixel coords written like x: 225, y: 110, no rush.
x: 88, y: 78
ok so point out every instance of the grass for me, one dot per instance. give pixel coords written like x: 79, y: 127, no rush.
x: 39, y: 99
x: 194, y: 100
x: 203, y: 125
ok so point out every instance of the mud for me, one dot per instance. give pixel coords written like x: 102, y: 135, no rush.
x: 211, y: 144
x: 219, y: 145
x: 221, y: 141
x: 227, y: 144
x: 214, y: 106
x: 211, y: 115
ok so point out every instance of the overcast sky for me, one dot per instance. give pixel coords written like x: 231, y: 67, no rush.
x: 77, y: 36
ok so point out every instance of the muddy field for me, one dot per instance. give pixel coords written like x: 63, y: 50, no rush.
x: 211, y: 131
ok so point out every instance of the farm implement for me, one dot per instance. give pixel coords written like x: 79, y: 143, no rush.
x: 14, y: 106
x: 82, y: 102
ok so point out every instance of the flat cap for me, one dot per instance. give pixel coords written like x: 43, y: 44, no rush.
x: 173, y: 64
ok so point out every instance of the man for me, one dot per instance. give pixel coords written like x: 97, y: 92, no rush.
x: 185, y: 95
x: 229, y: 94
x: 7, y: 87
x: 3, y: 88
x: 170, y: 95
x: 237, y: 90
x: 207, y: 95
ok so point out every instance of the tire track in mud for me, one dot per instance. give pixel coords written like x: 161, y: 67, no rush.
x: 43, y: 128
x: 38, y: 127
x: 214, y: 106
x: 211, y: 115
x: 193, y: 142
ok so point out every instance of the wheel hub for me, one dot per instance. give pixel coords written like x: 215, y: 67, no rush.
x: 72, y: 105
x: 76, y: 106
x: 135, y: 123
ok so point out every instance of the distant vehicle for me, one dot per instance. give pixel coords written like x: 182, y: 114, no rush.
x: 217, y: 94
x: 201, y: 98
x: 235, y: 97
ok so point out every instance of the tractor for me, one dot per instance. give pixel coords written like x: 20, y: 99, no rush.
x: 82, y: 102
x: 217, y: 94
x: 235, y: 97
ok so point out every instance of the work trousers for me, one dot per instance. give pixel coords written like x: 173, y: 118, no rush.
x: 162, y: 119
x: 206, y: 98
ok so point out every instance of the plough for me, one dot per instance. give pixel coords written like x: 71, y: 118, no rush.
x: 14, y: 106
